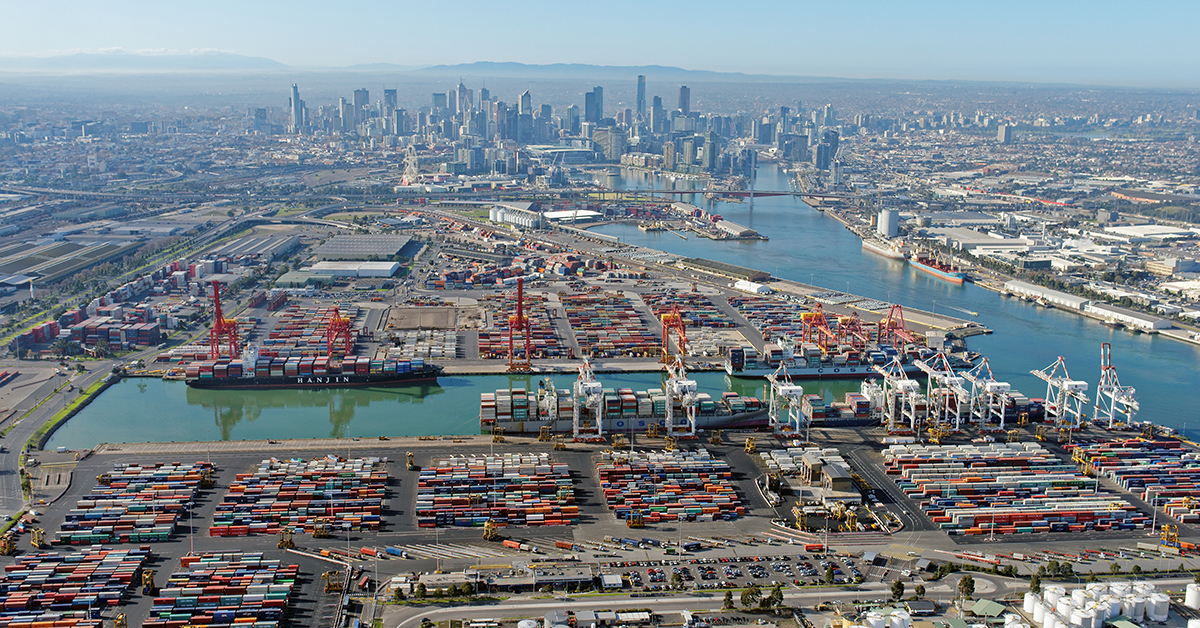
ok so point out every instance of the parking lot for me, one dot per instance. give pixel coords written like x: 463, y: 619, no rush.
x: 730, y: 572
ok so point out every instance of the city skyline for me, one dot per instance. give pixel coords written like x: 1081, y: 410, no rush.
x: 1069, y: 42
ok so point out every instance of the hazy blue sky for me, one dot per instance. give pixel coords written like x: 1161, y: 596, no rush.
x: 1094, y: 41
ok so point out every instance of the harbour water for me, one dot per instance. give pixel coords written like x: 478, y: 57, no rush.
x: 133, y: 410
x: 808, y: 246
x: 805, y: 245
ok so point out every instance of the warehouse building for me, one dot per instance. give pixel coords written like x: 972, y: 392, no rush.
x: 1127, y: 317
x: 1026, y: 289
x: 356, y: 269
x: 259, y: 248
x: 723, y: 269
x: 363, y: 247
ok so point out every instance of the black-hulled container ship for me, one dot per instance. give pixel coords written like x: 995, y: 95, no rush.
x: 310, y: 372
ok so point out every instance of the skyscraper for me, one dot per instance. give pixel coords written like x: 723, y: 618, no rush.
x: 463, y: 99
x: 1005, y: 134
x: 685, y: 99
x: 641, y: 98
x: 526, y: 105
x: 599, y: 92
x: 362, y: 98
x: 389, y: 101
x: 297, y: 106
x: 658, y: 116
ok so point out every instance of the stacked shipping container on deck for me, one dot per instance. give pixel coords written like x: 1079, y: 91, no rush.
x: 295, y: 494
x: 510, y: 489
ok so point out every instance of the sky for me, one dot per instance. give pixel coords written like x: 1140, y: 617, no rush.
x: 1102, y: 42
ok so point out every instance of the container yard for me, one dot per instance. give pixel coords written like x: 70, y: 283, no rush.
x: 608, y: 325
x: 134, y: 504
x: 427, y: 344
x: 1162, y: 473
x: 224, y: 589
x: 668, y: 486
x: 493, y: 343
x: 697, y: 309
x: 771, y: 317
x: 302, y: 331
x: 332, y: 492
x: 1001, y: 488
x: 54, y: 587
x: 509, y: 489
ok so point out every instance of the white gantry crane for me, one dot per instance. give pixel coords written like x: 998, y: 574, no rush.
x: 784, y: 395
x: 947, y: 394
x: 679, y: 387
x: 1115, y: 403
x: 589, y: 393
x: 1066, y: 398
x: 988, y: 397
x: 903, y: 401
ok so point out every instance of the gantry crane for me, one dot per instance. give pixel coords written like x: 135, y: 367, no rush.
x: 892, y: 328
x: 946, y: 392
x: 679, y: 387
x: 785, y: 396
x: 851, y: 330
x: 1115, y: 403
x: 988, y: 397
x: 1066, y: 398
x: 589, y: 393
x: 817, y: 330
x: 519, y: 323
x: 338, y: 329
x: 222, y: 328
x: 902, y: 400
x: 672, y: 321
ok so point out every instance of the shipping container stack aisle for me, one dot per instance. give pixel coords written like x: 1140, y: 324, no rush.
x: 698, y: 310
x: 493, y: 343
x: 135, y: 503
x: 298, y: 494
x: 669, y: 486
x: 1164, y: 472
x: 53, y: 587
x: 1001, y: 488
x: 608, y: 325
x: 509, y: 489
x: 224, y: 589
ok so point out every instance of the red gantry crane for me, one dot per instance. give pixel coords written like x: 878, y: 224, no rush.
x: 893, y: 329
x: 672, y: 321
x: 520, y: 323
x: 339, y: 327
x: 221, y: 328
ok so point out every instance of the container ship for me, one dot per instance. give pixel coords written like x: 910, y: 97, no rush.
x: 886, y: 249
x: 309, y: 372
x: 808, y: 361
x: 942, y: 270
x: 621, y: 409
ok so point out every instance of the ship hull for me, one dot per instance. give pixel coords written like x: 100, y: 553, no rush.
x: 754, y: 419
x: 952, y: 277
x: 797, y: 373
x: 314, y: 381
x: 884, y: 251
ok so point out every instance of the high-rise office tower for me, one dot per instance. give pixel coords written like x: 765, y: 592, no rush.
x: 589, y: 108
x: 599, y: 92
x: 829, y: 116
x: 571, y: 120
x: 439, y: 101
x: 390, y: 103
x: 297, y: 106
x: 452, y: 102
x: 658, y: 116
x: 362, y: 98
x: 484, y: 95
x: 545, y: 112
x: 526, y: 104
x: 463, y: 97
x: 641, y: 98
x: 685, y: 99
x: 1005, y: 134
x: 346, y: 115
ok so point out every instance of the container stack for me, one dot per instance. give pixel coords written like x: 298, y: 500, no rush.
x: 493, y: 343
x: 669, y: 486
x: 50, y: 587
x: 1162, y: 471
x: 300, y: 332
x: 278, y: 494
x: 608, y: 325
x: 773, y: 318
x: 697, y: 310
x: 510, y: 489
x: 424, y: 343
x: 139, y: 504
x: 242, y: 589
x: 1005, y: 489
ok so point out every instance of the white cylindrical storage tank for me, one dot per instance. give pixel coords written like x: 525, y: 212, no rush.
x: 1076, y: 618
x: 526, y: 623
x: 1158, y: 607
x: 1113, y: 604
x: 874, y: 619
x: 1193, y: 623
x: 1191, y: 598
x: 1078, y: 597
x: 900, y: 619
x: 1087, y: 618
x: 1051, y: 620
x: 1134, y: 607
x: 1011, y: 620
x: 1039, y: 612
x: 1120, y: 589
x: 1144, y: 589
x: 1053, y: 593
x: 1063, y: 607
x: 1096, y: 588
x: 1031, y: 600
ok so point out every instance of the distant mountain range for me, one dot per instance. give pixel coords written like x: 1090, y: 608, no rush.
x: 132, y: 62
